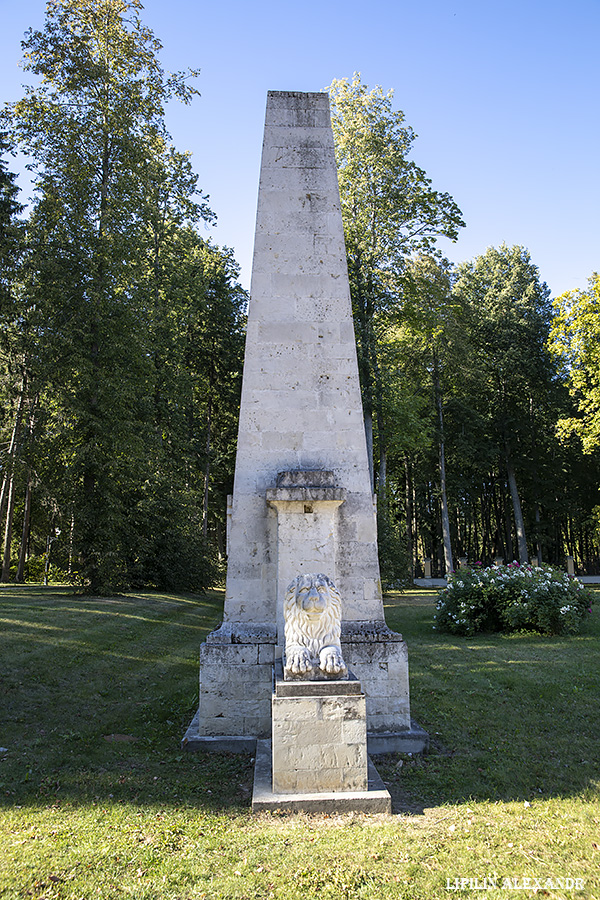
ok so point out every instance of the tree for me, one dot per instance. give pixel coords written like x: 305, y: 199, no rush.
x: 12, y: 374
x: 390, y: 211
x: 507, y: 311
x: 94, y: 127
x: 199, y: 338
x: 575, y: 343
x: 432, y: 319
x: 11, y: 231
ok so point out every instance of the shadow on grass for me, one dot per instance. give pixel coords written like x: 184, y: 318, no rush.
x: 95, y: 695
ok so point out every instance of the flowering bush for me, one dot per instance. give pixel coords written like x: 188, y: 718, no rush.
x: 512, y: 598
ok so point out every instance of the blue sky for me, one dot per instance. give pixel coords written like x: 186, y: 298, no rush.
x: 504, y: 97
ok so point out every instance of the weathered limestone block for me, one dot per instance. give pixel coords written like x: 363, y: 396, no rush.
x: 306, y: 505
x: 379, y: 658
x: 313, y: 613
x: 319, y: 741
x: 235, y: 689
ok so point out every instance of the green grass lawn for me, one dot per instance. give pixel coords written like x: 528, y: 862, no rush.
x: 97, y: 800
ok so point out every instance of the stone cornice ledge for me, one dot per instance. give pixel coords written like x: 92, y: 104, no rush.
x: 243, y: 633
x: 361, y: 632
x: 306, y: 494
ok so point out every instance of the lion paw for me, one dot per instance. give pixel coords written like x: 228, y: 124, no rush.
x: 298, y: 661
x: 331, y: 661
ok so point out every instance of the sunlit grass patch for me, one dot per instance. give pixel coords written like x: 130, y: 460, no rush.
x: 97, y: 799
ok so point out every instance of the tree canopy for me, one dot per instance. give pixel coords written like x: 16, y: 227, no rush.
x: 575, y: 341
x: 114, y: 280
x: 390, y: 211
x: 123, y: 334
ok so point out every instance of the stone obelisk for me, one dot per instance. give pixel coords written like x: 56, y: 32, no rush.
x: 301, y: 406
x: 302, y: 499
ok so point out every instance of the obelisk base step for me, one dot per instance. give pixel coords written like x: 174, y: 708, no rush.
x: 376, y: 799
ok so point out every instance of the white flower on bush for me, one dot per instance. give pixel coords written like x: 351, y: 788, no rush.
x: 511, y: 597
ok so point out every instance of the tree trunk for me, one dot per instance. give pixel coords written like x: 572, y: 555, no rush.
x: 409, y: 519
x: 448, y: 562
x: 8, y: 528
x: 538, y: 543
x: 475, y: 514
x: 207, y: 470
x: 12, y: 450
x: 507, y: 529
x: 381, y: 430
x: 363, y: 320
x: 220, y: 543
x: 23, y: 550
x: 382, y: 475
x: 517, y: 512
x: 47, y: 562
x: 500, y: 546
x: 369, y: 436
x: 25, y: 536
x: 94, y: 518
x: 71, y: 536
x: 211, y: 380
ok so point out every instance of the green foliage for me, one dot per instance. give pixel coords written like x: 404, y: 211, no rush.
x: 129, y: 329
x: 389, y: 207
x: 11, y: 232
x: 177, y: 559
x: 394, y: 561
x: 35, y: 571
x: 512, y: 598
x: 93, y: 125
x: 508, y: 384
x: 390, y: 211
x: 507, y: 315
x: 575, y: 342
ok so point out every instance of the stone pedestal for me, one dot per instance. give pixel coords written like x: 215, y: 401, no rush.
x: 379, y: 659
x: 318, y: 753
x: 319, y: 736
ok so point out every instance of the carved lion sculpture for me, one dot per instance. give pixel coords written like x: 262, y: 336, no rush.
x: 312, y: 613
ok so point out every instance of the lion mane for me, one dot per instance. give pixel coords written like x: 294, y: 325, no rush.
x: 313, y: 633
